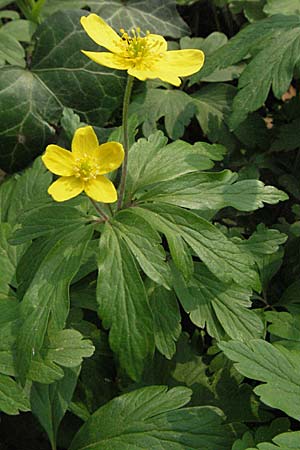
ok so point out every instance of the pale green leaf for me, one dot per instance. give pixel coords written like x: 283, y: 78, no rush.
x: 214, y: 191
x: 22, y: 30
x: 221, y: 256
x: 149, y: 418
x: 221, y: 307
x: 11, y: 50
x: 123, y: 303
x: 67, y: 348
x: 152, y: 161
x: 277, y: 368
x: 145, y: 245
x: 282, y: 7
x: 49, y: 403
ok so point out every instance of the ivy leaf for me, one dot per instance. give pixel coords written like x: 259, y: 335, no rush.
x: 46, y: 291
x: 273, y: 44
x: 53, y: 83
x: 123, y: 303
x: 145, y: 245
x: 214, y: 191
x: 12, y: 396
x: 167, y: 318
x: 175, y: 106
x: 151, y: 418
x: 151, y: 161
x: 277, y: 368
x: 221, y: 307
x: 49, y: 403
x: 220, y: 255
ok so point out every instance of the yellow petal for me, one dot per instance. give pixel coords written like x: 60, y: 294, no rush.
x: 109, y: 156
x: 101, y: 189
x: 107, y: 59
x: 84, y: 141
x: 158, y: 42
x: 58, y: 160
x: 181, y: 62
x: 65, y: 188
x: 101, y: 32
x: 166, y: 75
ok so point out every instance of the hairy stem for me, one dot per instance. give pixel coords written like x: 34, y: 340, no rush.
x: 126, y: 102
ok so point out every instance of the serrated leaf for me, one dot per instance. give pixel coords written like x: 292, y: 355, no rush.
x: 123, y: 303
x: 145, y: 245
x: 273, y: 44
x: 278, y: 368
x: 284, y: 325
x: 282, y: 7
x: 49, y: 403
x: 68, y: 348
x: 214, y: 191
x: 151, y: 161
x: 213, y: 107
x: 12, y: 397
x: 53, y: 82
x: 47, y: 292
x: 46, y: 220
x: 8, y: 260
x: 220, y: 255
x: 175, y: 106
x: 284, y: 441
x: 166, y: 320
x: 149, y: 418
x: 221, y: 307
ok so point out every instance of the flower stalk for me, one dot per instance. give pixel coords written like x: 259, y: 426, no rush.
x: 126, y: 102
x: 98, y: 209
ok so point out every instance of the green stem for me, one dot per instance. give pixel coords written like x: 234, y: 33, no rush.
x: 98, y: 209
x: 126, y: 102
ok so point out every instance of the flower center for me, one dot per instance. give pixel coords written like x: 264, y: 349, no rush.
x: 139, y: 48
x: 86, y: 168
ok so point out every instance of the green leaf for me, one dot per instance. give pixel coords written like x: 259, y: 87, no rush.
x: 148, y: 15
x: 284, y: 325
x: 152, y: 161
x: 175, y: 106
x: 68, y: 348
x: 53, y: 83
x: 221, y: 307
x: 220, y: 255
x: 166, y: 316
x: 20, y: 193
x: 21, y: 29
x: 282, y: 7
x: 277, y: 368
x: 47, y: 292
x: 47, y: 220
x: 273, y: 44
x: 123, y: 303
x: 145, y: 245
x: 149, y: 418
x: 49, y: 403
x: 284, y: 441
x: 214, y: 191
x: 12, y: 397
x: 213, y: 107
x: 9, y: 256
x: 11, y: 50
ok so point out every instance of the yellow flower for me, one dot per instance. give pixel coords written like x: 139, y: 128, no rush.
x: 142, y: 56
x: 83, y: 168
